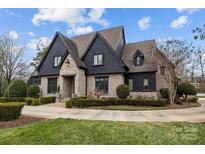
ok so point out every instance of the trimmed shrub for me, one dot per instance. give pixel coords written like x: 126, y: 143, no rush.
x: 123, y: 91
x: 87, y: 103
x: 10, y: 110
x: 185, y: 89
x: 16, y: 88
x: 33, y: 91
x: 35, y: 102
x: 164, y: 92
x: 12, y: 99
x: 192, y: 100
x: 29, y: 100
x: 48, y: 99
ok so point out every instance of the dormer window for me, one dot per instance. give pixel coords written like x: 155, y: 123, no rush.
x: 138, y: 58
x: 57, y: 61
x: 98, y: 59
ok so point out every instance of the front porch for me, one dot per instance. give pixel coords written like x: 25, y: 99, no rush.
x: 67, y: 86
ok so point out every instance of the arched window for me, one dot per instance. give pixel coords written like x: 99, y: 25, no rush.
x: 138, y: 58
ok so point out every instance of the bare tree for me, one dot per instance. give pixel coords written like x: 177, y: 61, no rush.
x: 179, y: 53
x: 199, y: 33
x: 200, y: 58
x: 12, y: 58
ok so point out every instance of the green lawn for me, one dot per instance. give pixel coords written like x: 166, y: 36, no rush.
x: 67, y: 131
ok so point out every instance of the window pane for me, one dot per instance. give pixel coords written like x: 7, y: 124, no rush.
x: 138, y: 60
x: 55, y: 62
x: 100, y: 59
x: 130, y: 83
x: 146, y: 82
x: 101, y: 84
x: 59, y: 60
x: 95, y: 60
x: 52, y: 85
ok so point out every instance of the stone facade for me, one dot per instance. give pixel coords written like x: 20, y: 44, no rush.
x: 168, y: 79
x: 113, y: 81
x: 72, y: 70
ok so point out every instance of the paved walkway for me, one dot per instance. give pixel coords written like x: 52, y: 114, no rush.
x: 196, y: 114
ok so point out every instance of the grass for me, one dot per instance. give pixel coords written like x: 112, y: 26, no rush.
x: 141, y: 108
x: 67, y: 131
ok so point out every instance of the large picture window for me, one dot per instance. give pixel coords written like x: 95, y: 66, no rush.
x: 52, y: 85
x: 57, y: 61
x: 98, y: 59
x: 101, y: 84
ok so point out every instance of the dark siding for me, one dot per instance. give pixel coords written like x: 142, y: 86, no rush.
x: 57, y: 49
x: 138, y: 81
x: 110, y: 62
x: 35, y: 80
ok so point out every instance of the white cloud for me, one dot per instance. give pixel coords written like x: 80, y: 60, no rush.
x: 95, y: 16
x: 31, y: 34
x: 78, y: 20
x: 144, y: 23
x: 179, y: 22
x: 42, y: 42
x: 70, y: 16
x: 80, y: 30
x: 13, y: 34
x: 187, y: 10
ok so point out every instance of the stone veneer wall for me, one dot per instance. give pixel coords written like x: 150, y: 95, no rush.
x: 79, y: 79
x: 167, y: 80
x: 113, y: 81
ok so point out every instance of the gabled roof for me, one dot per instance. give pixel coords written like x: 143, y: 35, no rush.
x: 148, y: 48
x: 73, y: 51
x: 111, y: 35
x: 71, y: 47
x: 112, y: 50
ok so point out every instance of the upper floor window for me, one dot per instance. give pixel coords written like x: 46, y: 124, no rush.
x: 57, y: 61
x: 162, y: 70
x: 138, y: 58
x: 98, y: 59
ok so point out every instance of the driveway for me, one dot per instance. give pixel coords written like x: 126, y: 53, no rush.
x: 196, y: 114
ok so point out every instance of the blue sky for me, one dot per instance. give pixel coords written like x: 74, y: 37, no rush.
x: 32, y: 25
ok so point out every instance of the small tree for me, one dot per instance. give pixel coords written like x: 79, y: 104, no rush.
x: 17, y: 88
x: 33, y: 91
x: 185, y: 89
x: 123, y: 91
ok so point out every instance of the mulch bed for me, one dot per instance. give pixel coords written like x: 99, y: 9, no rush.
x: 20, y: 121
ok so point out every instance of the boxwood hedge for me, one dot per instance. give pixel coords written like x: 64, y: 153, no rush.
x: 12, y: 99
x: 46, y: 100
x: 137, y: 102
x: 10, y: 110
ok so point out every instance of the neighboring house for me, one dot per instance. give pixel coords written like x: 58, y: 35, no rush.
x: 103, y: 60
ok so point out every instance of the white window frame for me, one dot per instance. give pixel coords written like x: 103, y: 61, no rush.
x: 98, y: 59
x: 57, y: 61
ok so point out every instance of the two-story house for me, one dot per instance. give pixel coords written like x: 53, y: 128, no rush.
x: 103, y: 60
